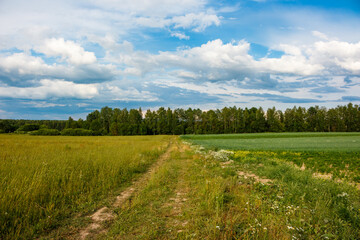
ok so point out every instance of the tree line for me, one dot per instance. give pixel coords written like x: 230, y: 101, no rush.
x: 109, y: 121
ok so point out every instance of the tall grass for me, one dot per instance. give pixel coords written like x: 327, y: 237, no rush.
x: 47, y: 179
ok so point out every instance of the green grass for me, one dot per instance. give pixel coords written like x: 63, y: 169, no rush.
x: 334, y: 142
x: 45, y: 180
x: 196, y: 193
x: 296, y: 204
x: 331, y: 153
x: 216, y: 203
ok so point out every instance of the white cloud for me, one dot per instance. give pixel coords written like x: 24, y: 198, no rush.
x: 153, y: 22
x: 320, y: 35
x: 225, y: 61
x: 216, y: 60
x: 67, y: 50
x: 130, y: 94
x: 44, y: 104
x: 21, y: 63
x: 338, y: 57
x: 51, y: 89
x: 289, y: 64
x: 25, y: 24
x: 82, y: 104
x: 213, y: 54
x: 18, y: 66
x: 198, y: 22
x: 180, y: 35
x: 151, y: 8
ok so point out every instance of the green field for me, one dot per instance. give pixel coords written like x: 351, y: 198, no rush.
x: 344, y: 142
x: 314, y: 179
x: 170, y: 189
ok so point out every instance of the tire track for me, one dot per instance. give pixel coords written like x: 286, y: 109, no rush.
x: 106, y: 214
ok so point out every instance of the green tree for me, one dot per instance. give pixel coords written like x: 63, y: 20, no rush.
x: 105, y: 118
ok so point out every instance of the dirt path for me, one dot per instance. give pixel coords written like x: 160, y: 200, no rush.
x: 175, y: 220
x: 106, y: 214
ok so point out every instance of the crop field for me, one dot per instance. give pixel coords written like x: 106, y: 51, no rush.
x: 335, y: 142
x: 166, y: 187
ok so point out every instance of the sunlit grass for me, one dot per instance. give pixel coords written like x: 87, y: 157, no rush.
x: 47, y: 179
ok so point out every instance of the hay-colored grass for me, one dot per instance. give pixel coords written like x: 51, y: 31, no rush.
x: 47, y: 179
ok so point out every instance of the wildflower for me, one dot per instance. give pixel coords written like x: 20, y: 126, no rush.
x: 218, y: 227
x: 344, y: 194
x: 290, y: 227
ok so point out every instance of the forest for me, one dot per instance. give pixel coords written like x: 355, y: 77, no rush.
x: 115, y: 121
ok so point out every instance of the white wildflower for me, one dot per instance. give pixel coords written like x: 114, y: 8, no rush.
x: 344, y: 194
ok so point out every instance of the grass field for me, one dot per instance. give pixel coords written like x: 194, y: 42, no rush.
x: 304, y: 182
x: 45, y: 180
x: 334, y: 153
x: 52, y: 186
x: 335, y: 142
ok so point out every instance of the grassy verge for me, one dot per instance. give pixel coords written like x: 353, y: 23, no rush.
x: 311, y: 208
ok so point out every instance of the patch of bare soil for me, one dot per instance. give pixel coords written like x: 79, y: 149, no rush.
x: 100, y: 216
x: 183, y: 148
x: 303, y: 167
x: 255, y: 177
x: 226, y: 164
x: 106, y: 214
x: 326, y: 176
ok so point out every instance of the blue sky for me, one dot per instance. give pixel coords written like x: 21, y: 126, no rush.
x: 67, y: 58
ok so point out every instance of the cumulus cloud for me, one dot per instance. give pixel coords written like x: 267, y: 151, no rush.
x: 22, y: 63
x: 67, y: 50
x: 198, y: 22
x: 180, y: 35
x: 38, y: 19
x: 337, y: 56
x: 320, y: 35
x: 130, y: 94
x: 22, y: 66
x: 51, y: 89
x: 216, y: 60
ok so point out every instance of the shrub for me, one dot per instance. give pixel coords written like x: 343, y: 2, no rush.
x: 28, y: 128
x: 76, y: 132
x: 46, y: 132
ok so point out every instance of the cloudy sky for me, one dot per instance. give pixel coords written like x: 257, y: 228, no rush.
x: 67, y: 58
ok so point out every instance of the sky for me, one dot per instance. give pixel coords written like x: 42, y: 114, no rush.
x: 68, y: 58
